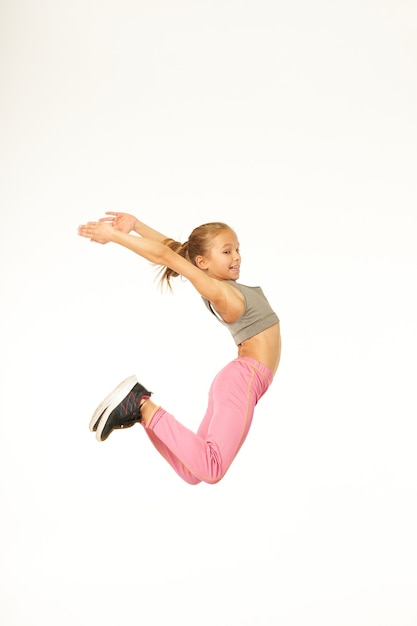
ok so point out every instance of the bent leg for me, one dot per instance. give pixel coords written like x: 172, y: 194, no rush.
x: 175, y: 463
x: 207, y: 455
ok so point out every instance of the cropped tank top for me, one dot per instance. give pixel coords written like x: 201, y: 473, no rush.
x: 257, y: 316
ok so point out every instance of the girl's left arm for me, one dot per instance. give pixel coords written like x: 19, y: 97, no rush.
x: 149, y: 247
x: 127, y: 222
x: 154, y: 250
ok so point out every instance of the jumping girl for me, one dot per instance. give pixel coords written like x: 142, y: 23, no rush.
x: 210, y: 260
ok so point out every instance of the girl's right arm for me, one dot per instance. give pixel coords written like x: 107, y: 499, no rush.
x: 126, y: 223
x: 227, y: 301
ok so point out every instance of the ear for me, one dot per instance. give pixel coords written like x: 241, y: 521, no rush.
x: 201, y: 262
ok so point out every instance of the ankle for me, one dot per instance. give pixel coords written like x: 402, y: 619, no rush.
x: 147, y: 411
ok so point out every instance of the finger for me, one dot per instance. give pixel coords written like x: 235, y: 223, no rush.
x: 87, y: 228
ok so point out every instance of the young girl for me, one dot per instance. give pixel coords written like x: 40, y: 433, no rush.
x: 210, y: 260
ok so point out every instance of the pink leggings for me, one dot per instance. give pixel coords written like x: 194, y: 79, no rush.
x: 207, y: 455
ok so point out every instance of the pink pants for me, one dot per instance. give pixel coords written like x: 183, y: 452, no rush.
x: 207, y: 455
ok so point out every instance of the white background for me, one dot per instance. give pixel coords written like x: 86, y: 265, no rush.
x: 295, y: 122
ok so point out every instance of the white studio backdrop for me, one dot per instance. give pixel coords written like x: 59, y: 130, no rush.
x: 295, y: 122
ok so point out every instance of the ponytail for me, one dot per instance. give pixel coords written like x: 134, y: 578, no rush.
x: 166, y: 273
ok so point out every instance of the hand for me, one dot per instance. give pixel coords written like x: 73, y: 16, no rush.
x: 96, y: 231
x: 120, y: 221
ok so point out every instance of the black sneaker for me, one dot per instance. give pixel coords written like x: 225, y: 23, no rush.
x: 120, y: 409
x: 120, y: 392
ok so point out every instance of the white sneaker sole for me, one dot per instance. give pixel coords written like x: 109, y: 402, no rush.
x: 109, y: 403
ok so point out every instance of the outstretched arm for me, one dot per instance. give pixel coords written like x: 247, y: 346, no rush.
x: 126, y: 223
x: 152, y: 249
x: 227, y: 301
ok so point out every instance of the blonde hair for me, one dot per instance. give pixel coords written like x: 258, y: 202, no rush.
x: 199, y: 243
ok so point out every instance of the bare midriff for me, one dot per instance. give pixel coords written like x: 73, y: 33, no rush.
x: 264, y: 347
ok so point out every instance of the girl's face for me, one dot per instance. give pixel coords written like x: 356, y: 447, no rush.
x: 223, y: 260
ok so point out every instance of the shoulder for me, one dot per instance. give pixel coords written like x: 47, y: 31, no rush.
x: 228, y: 301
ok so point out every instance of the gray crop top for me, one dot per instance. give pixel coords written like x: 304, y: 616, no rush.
x: 257, y: 316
